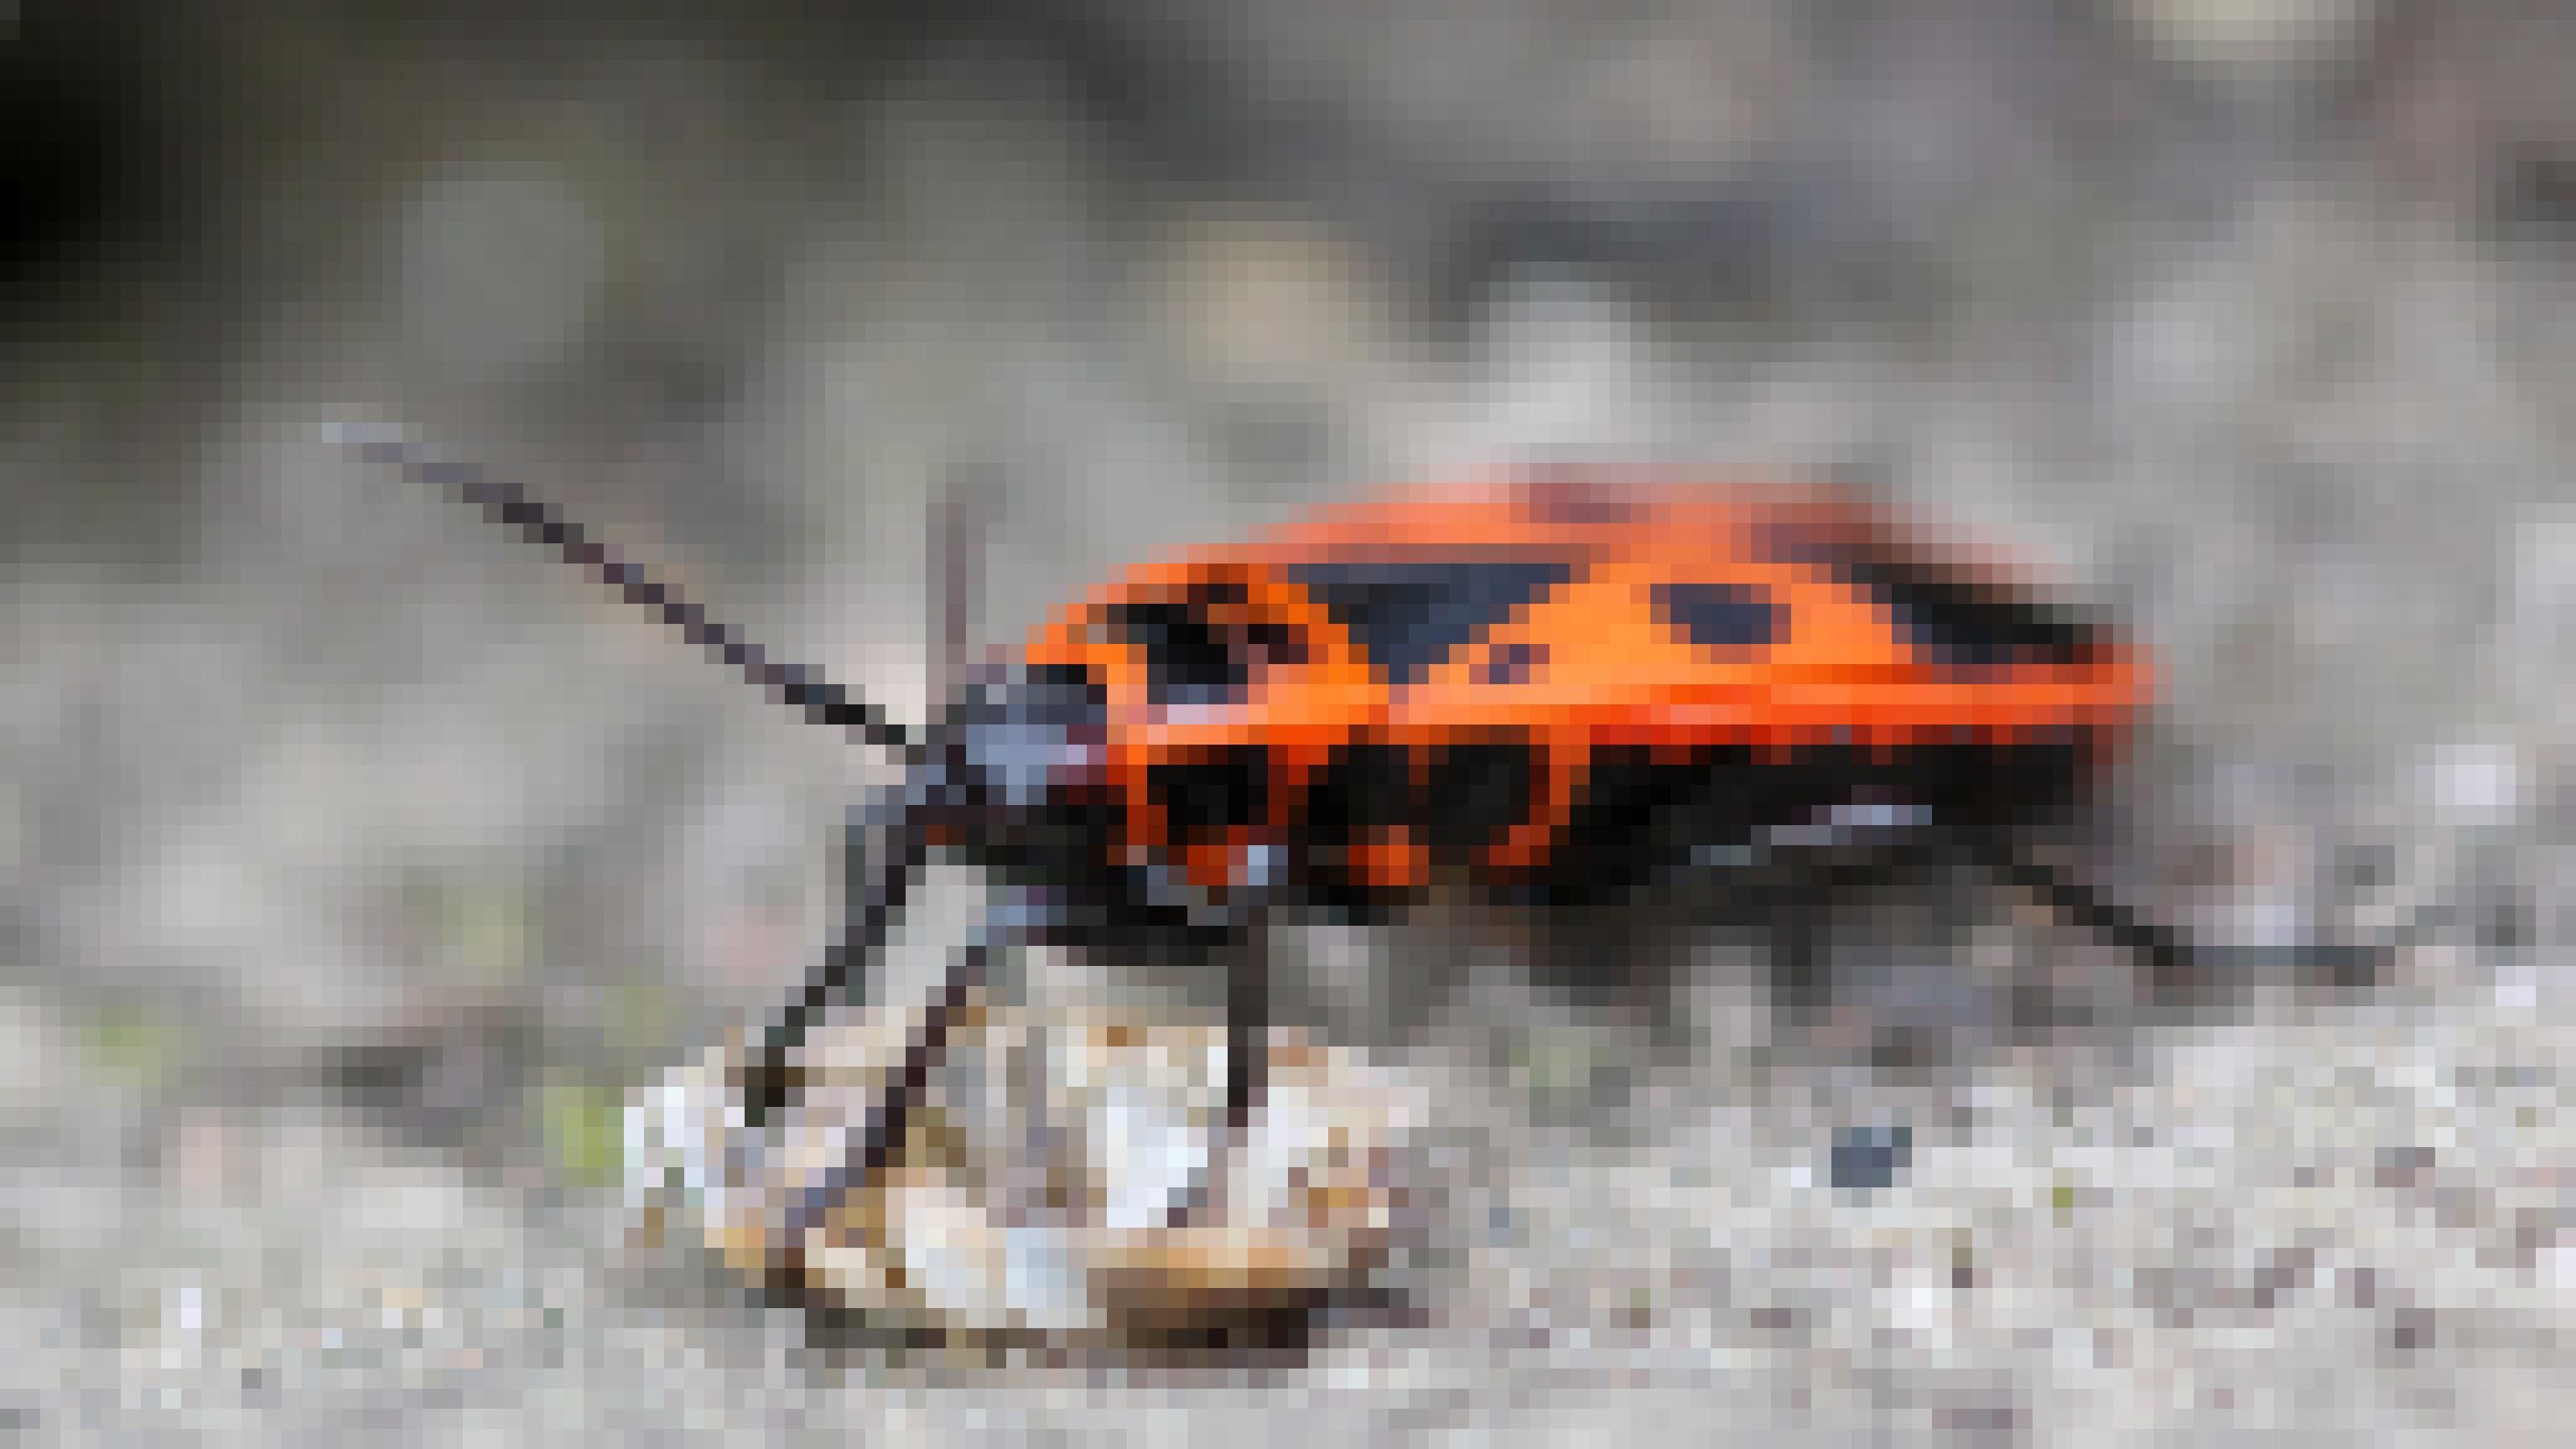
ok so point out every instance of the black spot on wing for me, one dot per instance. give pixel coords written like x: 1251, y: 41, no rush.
x: 1408, y: 614
x: 1192, y: 658
x: 1185, y: 656
x: 1719, y: 616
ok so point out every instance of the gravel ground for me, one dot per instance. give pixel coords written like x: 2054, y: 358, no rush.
x: 361, y: 865
x: 2345, y: 1223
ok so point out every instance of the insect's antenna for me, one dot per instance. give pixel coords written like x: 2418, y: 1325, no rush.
x: 512, y: 505
x: 957, y: 529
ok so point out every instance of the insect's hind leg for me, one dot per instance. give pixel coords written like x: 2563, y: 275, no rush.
x: 2175, y: 976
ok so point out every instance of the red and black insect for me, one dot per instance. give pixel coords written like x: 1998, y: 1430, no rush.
x: 1554, y: 686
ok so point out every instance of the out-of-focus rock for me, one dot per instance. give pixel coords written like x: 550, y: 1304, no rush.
x: 2473, y: 111
x: 2275, y: 42
x: 1258, y: 302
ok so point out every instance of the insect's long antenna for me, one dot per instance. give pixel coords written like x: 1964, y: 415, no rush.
x: 508, y: 503
x: 957, y: 544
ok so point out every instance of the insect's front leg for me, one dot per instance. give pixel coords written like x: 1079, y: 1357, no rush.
x: 1012, y: 920
x: 888, y: 846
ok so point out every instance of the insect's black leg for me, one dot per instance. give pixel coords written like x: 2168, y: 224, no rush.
x: 889, y: 1120
x: 1247, y: 994
x: 2169, y: 961
x: 1246, y: 948
x: 888, y: 847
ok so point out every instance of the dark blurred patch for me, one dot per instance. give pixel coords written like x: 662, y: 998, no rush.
x: 1152, y: 96
x: 2469, y: 105
x: 1740, y: 249
x: 90, y: 160
x: 2534, y: 199
x: 461, y: 1083
x: 113, y: 279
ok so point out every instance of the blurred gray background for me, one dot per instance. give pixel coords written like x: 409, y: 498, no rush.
x: 359, y: 859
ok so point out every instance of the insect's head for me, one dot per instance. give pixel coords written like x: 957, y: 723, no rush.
x: 1015, y: 769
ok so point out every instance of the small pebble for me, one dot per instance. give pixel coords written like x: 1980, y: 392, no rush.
x: 1867, y: 1159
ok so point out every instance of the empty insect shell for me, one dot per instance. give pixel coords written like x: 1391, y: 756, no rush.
x: 1036, y: 1187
